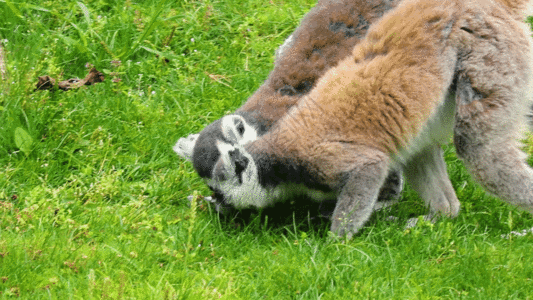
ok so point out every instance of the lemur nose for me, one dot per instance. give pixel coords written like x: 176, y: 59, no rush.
x: 240, y: 162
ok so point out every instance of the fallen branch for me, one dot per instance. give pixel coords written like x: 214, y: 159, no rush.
x: 47, y: 83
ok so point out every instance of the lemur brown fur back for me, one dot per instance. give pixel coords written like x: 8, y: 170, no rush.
x: 326, y: 35
x: 395, y: 79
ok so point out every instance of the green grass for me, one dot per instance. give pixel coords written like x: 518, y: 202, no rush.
x: 93, y: 202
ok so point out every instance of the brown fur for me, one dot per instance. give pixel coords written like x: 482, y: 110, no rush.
x: 395, y: 79
x: 370, y: 98
x: 314, y: 50
x: 516, y: 7
x: 376, y: 104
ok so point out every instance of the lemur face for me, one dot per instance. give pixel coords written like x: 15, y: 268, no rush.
x: 235, y: 178
x: 218, y: 155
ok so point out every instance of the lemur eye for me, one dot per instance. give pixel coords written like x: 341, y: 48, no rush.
x: 240, y: 128
x: 239, y: 125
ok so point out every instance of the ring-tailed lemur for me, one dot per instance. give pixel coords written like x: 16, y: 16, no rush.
x: 325, y: 36
x: 426, y: 70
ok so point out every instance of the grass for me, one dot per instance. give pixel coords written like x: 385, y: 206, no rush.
x: 93, y: 202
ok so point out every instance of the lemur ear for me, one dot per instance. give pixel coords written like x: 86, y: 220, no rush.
x: 184, y: 147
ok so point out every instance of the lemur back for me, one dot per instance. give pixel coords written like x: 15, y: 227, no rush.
x: 428, y: 69
x: 325, y: 36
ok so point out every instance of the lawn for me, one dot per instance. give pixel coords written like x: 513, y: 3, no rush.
x: 93, y: 201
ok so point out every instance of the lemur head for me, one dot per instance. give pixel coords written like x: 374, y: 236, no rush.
x: 218, y: 155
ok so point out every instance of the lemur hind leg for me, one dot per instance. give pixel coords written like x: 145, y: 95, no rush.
x: 485, y: 136
x: 359, y: 194
x: 427, y: 175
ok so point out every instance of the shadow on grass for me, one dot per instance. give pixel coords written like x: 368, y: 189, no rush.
x: 301, y: 214
x: 298, y: 214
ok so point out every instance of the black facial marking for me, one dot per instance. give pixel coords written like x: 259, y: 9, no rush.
x: 254, y: 120
x: 240, y: 161
x: 205, y: 153
x: 239, y: 126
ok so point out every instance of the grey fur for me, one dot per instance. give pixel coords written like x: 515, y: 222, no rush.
x: 427, y: 175
x: 358, y: 198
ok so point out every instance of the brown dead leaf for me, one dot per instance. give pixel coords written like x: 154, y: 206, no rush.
x: 47, y: 83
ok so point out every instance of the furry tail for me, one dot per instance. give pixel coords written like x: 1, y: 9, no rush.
x: 518, y: 6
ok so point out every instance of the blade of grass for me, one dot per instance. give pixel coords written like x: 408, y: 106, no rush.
x: 86, y: 13
x: 14, y: 9
x: 147, y: 30
x: 3, y: 73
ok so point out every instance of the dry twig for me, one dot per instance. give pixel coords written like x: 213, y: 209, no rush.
x: 218, y: 78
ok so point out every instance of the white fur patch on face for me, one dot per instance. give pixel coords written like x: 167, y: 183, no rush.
x: 184, y: 147
x: 236, y: 130
x: 249, y: 193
